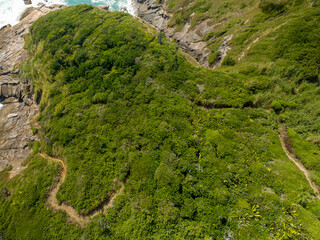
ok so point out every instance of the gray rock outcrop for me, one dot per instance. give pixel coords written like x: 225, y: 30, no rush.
x: 190, y: 40
x: 10, y: 87
x: 224, y: 48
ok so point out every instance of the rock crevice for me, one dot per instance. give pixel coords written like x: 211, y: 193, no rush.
x: 189, y: 40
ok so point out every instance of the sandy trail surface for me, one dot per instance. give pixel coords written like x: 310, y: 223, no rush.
x: 73, y: 215
x: 293, y: 158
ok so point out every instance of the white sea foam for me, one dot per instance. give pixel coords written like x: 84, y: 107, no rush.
x: 11, y: 10
x: 117, y: 4
x: 1, y: 105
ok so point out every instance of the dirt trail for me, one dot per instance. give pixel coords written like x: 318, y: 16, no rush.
x: 292, y: 157
x: 244, y: 53
x: 73, y: 215
x: 145, y: 24
x: 14, y: 173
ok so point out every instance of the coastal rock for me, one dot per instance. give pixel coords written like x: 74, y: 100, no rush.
x: 27, y: 2
x: 224, y: 48
x: 12, y: 115
x: 15, y: 133
x: 12, y: 42
x: 189, y: 40
x: 10, y: 87
x: 19, y: 108
x: 104, y: 8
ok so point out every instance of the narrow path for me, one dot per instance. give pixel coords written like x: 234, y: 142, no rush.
x: 73, y: 215
x: 145, y: 24
x: 14, y: 173
x: 245, y: 52
x: 292, y: 157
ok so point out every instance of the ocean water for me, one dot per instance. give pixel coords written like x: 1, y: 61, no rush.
x: 11, y: 10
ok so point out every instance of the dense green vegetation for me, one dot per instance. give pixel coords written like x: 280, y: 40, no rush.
x: 197, y: 150
x: 282, y: 70
x: 243, y: 18
x: 281, y: 67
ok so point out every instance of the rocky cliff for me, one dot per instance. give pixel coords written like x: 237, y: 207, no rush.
x: 189, y: 39
x: 10, y: 87
x: 15, y: 129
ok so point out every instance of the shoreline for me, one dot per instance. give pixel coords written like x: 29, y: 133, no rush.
x: 11, y: 13
x: 19, y: 107
x: 15, y: 16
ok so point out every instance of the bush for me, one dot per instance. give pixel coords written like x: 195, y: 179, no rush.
x: 269, y: 6
x: 276, y: 106
x: 316, y: 3
x: 34, y: 131
x: 214, y: 57
x: 229, y: 61
x: 100, y: 98
x: 308, y: 73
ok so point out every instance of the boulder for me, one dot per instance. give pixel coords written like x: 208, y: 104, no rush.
x: 27, y: 2
x: 12, y: 115
x: 10, y: 87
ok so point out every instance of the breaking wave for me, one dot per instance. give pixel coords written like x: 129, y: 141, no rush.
x: 11, y: 10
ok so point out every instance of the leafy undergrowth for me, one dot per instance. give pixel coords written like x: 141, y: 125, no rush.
x: 281, y: 70
x: 200, y: 160
x: 246, y: 20
x: 23, y: 213
x: 274, y: 50
x: 107, y: 92
x: 307, y: 153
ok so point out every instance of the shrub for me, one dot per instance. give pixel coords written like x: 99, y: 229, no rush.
x: 214, y: 57
x: 229, y: 61
x: 315, y: 3
x: 309, y: 74
x: 34, y: 131
x: 276, y: 106
x: 100, y: 98
x: 269, y: 6
x: 257, y: 83
x: 214, y: 137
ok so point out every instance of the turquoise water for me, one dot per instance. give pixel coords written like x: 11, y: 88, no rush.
x: 11, y: 10
x: 114, y: 4
x: 76, y: 2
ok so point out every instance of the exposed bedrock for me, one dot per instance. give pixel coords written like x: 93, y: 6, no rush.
x: 10, y: 87
x: 19, y: 108
x: 189, y: 39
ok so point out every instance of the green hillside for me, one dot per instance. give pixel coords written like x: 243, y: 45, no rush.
x: 196, y: 149
x: 274, y: 49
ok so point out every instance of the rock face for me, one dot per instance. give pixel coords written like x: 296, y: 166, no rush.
x: 19, y: 108
x: 224, y: 48
x: 15, y: 132
x: 10, y: 87
x: 189, y: 40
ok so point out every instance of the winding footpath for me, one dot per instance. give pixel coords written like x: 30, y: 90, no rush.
x: 83, y: 220
x: 292, y: 157
x: 245, y: 52
x: 73, y: 215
